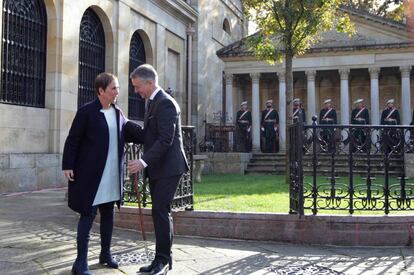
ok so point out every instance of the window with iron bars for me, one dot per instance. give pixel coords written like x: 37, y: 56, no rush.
x: 24, y: 53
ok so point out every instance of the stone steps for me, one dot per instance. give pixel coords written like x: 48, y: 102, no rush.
x: 265, y: 163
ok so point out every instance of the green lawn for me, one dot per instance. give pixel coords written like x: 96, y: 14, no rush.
x: 258, y: 193
x: 242, y: 193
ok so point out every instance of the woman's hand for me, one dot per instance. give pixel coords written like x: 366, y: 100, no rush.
x: 69, y: 175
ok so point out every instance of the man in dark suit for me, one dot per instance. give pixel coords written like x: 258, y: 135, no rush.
x: 164, y: 159
x: 269, y: 127
x: 359, y: 116
x: 298, y: 110
x: 243, y: 128
x: 328, y: 116
x: 92, y: 162
x: 390, y: 137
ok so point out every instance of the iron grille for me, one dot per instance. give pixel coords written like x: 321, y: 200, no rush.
x: 373, y: 178
x: 24, y: 53
x: 91, y: 55
x: 137, y: 57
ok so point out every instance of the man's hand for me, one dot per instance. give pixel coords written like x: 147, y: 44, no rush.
x: 69, y: 175
x: 135, y: 166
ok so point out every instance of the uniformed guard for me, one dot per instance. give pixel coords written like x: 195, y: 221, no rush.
x: 389, y: 137
x: 269, y: 127
x: 298, y: 111
x: 359, y: 116
x: 328, y: 116
x: 390, y: 116
x: 243, y: 128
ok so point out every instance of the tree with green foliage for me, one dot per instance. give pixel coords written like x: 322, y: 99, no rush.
x: 378, y: 7
x: 287, y: 28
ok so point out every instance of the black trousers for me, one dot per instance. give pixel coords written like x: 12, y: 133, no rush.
x: 162, y: 194
x: 106, y: 226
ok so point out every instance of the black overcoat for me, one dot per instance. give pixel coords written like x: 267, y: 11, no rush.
x: 85, y: 153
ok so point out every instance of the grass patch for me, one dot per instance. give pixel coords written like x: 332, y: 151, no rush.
x: 261, y: 193
x: 242, y: 193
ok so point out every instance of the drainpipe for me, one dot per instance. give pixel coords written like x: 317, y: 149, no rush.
x: 190, y: 33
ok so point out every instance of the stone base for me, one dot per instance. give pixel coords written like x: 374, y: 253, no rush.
x: 322, y: 229
x: 29, y: 172
x: 409, y: 164
x: 223, y: 163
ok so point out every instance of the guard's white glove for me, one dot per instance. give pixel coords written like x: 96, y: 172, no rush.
x: 248, y: 130
x: 262, y: 129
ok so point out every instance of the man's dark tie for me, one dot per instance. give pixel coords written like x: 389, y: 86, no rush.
x: 147, y: 111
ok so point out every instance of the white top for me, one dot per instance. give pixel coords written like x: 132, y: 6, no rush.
x: 109, y: 189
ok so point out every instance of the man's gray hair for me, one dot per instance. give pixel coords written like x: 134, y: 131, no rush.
x: 145, y: 72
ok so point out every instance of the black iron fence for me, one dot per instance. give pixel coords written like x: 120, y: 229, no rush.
x: 350, y: 168
x: 183, y: 198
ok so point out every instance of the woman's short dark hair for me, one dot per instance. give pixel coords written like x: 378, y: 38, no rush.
x: 103, y: 80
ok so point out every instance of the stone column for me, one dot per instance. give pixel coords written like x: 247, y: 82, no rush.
x: 255, y: 112
x: 311, y: 99
x: 229, y: 97
x: 375, y: 115
x: 190, y: 32
x: 282, y: 111
x: 405, y: 95
x: 344, y: 73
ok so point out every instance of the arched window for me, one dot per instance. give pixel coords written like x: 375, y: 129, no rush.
x: 24, y: 53
x: 226, y: 26
x: 137, y: 57
x: 91, y: 55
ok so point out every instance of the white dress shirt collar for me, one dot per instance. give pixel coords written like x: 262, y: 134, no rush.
x: 154, y: 93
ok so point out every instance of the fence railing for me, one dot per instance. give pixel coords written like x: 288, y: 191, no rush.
x: 350, y: 168
x: 183, y: 198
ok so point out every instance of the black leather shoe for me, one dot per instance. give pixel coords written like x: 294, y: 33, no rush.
x: 80, y: 268
x: 147, y: 268
x: 159, y: 268
x: 108, y: 260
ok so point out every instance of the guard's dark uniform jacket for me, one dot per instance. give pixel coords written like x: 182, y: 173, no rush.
x: 243, y: 123
x: 360, y: 116
x: 269, y: 121
x: 327, y: 116
x: 299, y: 112
x: 390, y: 116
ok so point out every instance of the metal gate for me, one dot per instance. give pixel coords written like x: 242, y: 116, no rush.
x: 91, y: 55
x: 350, y: 168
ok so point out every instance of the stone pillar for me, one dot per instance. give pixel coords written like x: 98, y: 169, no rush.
x: 375, y: 114
x: 282, y: 111
x: 255, y: 112
x: 405, y: 95
x: 311, y: 99
x: 229, y: 97
x: 190, y: 33
x: 344, y: 73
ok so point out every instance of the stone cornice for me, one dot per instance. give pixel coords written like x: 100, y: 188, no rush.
x: 179, y: 8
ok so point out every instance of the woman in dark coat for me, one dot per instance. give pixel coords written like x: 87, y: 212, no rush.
x: 92, y: 162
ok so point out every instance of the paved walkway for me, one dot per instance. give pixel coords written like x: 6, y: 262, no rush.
x: 38, y: 237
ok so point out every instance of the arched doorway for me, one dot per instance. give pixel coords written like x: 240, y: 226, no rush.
x: 91, y: 55
x: 137, y: 57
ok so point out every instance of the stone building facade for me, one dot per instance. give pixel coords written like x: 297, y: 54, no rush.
x: 374, y: 64
x: 53, y: 49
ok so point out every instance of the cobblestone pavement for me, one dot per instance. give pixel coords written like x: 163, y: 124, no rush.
x: 38, y: 237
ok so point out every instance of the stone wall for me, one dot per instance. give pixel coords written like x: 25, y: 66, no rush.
x: 29, y: 172
x: 322, y: 229
x: 409, y: 165
x: 222, y: 163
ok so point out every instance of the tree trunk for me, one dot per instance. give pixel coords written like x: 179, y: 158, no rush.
x: 289, y: 108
